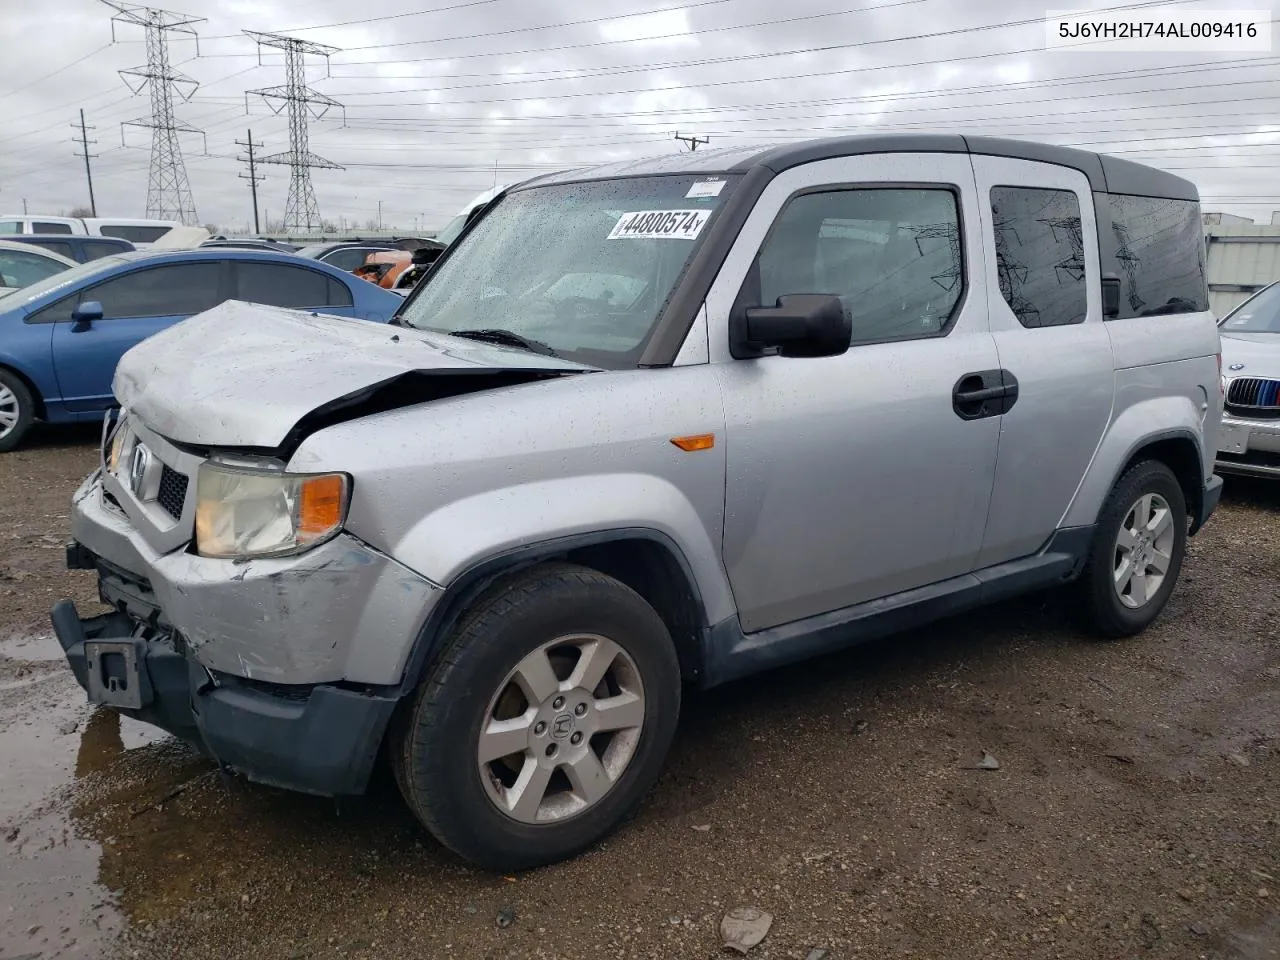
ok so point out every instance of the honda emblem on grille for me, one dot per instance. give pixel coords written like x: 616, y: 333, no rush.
x: 138, y: 466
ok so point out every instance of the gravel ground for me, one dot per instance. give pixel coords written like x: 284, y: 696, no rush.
x: 1135, y: 813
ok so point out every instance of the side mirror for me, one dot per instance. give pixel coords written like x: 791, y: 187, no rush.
x: 1110, y: 296
x: 800, y: 325
x: 85, y: 314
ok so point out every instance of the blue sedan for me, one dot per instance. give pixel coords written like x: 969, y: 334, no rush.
x: 61, y: 338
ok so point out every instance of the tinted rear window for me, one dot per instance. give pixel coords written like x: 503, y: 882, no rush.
x: 134, y: 234
x: 39, y: 227
x: 1040, y: 255
x: 1156, y: 248
x: 279, y: 285
x: 93, y: 249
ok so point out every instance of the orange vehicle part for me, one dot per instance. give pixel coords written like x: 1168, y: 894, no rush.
x: 384, y: 266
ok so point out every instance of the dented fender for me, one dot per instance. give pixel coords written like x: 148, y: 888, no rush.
x: 461, y: 535
x: 341, y: 611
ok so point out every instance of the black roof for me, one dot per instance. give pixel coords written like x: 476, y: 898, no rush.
x: 1105, y: 173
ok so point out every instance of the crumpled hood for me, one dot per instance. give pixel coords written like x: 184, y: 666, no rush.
x: 244, y: 375
x: 1259, y: 352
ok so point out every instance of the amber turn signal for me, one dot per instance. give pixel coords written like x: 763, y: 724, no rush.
x: 699, y: 441
x: 320, y: 505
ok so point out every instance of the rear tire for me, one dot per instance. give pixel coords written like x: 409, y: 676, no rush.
x: 17, y: 410
x: 1137, y: 552
x: 545, y: 720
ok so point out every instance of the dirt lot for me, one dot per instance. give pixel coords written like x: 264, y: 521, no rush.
x: 1136, y: 811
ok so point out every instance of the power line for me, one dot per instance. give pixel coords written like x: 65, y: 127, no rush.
x: 451, y: 58
x: 301, y: 210
x: 690, y: 141
x: 54, y: 73
x: 84, y: 142
x: 168, y: 190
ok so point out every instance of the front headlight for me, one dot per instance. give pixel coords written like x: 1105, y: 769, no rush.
x: 243, y: 512
x: 118, y: 442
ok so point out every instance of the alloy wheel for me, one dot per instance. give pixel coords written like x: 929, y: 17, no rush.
x: 1143, y: 550
x: 562, y: 729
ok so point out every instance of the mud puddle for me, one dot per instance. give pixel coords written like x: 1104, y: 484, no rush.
x: 52, y: 903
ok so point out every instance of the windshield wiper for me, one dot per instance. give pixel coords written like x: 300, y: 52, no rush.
x: 505, y: 337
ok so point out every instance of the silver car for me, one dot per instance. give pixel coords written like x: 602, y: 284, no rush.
x: 1249, y: 439
x: 644, y: 427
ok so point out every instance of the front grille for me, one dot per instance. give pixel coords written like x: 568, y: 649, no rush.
x: 1254, y: 393
x: 173, y: 492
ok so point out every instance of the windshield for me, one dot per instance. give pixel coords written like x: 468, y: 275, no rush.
x: 1259, y: 314
x: 313, y: 250
x: 453, y: 228
x: 583, y: 268
x: 67, y: 278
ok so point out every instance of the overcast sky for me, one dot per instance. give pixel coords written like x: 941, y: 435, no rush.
x: 444, y: 96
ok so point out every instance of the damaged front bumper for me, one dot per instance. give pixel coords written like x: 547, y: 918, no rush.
x: 322, y: 739
x: 285, y: 670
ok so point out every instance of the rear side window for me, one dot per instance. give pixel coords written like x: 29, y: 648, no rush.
x: 9, y: 228
x: 93, y: 249
x: 39, y: 227
x: 339, y: 294
x: 133, y: 233
x: 280, y: 285
x: 891, y: 255
x: 1040, y: 255
x: 1156, y: 248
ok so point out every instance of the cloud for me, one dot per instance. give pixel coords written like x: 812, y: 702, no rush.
x: 668, y: 28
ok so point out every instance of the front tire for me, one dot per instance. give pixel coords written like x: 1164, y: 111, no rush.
x: 545, y: 720
x: 1137, y: 553
x: 17, y: 410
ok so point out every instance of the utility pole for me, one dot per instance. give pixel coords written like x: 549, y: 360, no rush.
x: 302, y: 102
x: 253, y: 177
x: 24, y: 206
x: 692, y: 141
x: 168, y: 190
x: 379, y: 216
x: 84, y: 142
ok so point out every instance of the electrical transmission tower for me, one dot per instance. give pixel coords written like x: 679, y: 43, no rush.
x: 301, y: 211
x: 168, y: 190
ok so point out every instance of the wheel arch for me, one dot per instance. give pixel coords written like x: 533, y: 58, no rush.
x: 1180, y: 452
x: 41, y: 411
x: 646, y: 560
x: 1165, y: 428
x: 1178, y: 449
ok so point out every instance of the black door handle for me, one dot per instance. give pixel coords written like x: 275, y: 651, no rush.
x: 980, y: 394
x: 985, y: 393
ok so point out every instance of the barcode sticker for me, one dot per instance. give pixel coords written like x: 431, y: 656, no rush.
x: 660, y: 225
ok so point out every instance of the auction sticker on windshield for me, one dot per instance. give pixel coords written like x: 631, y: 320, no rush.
x: 660, y: 225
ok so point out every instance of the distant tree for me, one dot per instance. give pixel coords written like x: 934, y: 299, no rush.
x: 212, y: 228
x: 81, y: 212
x: 371, y: 223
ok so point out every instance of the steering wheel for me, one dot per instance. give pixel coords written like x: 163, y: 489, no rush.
x: 584, y: 312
